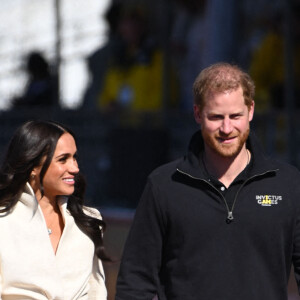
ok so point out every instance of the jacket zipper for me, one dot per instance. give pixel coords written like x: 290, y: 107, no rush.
x: 230, y: 217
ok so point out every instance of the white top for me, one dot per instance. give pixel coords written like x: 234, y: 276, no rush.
x: 29, y: 268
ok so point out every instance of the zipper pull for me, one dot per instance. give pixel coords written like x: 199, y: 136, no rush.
x: 229, y: 218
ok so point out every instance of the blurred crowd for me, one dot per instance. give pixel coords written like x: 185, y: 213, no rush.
x: 149, y: 66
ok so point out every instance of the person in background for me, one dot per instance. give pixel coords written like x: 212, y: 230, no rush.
x: 269, y: 61
x: 134, y: 78
x: 40, y: 89
x: 223, y: 222
x: 51, y: 244
x: 99, y: 61
x: 188, y: 46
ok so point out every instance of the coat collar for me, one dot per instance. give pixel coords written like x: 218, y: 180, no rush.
x: 29, y: 200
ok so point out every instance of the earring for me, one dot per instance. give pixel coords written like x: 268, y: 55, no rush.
x: 32, y: 176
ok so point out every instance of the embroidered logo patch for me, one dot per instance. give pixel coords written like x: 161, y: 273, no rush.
x: 268, y: 200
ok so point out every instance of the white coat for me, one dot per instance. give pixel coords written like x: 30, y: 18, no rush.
x: 29, y: 268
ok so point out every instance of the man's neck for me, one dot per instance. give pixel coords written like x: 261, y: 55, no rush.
x: 226, y: 169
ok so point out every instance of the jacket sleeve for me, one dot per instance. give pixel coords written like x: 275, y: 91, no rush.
x: 296, y: 251
x: 141, y: 262
x: 97, y: 288
x: 295, y: 191
x: 1, y: 281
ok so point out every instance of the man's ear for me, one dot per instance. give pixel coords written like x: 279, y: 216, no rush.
x: 197, y: 114
x: 251, y: 111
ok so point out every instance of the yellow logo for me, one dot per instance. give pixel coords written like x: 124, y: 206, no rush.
x: 268, y: 200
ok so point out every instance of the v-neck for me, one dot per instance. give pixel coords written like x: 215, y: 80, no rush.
x: 62, y: 204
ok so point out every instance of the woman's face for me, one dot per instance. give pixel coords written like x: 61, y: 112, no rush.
x: 59, y: 178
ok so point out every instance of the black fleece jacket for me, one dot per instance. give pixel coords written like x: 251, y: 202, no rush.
x: 180, y: 246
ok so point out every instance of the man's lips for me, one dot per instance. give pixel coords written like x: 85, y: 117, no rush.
x: 226, y: 140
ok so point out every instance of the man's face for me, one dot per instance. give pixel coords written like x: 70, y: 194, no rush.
x: 224, y: 122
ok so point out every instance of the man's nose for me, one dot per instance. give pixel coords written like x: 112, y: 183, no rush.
x: 226, y: 126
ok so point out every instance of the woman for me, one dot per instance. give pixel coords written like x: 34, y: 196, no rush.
x: 51, y: 245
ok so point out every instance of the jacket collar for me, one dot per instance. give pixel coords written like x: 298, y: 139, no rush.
x: 28, y: 197
x: 193, y: 166
x: 29, y: 200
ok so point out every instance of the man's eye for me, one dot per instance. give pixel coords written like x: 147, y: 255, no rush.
x: 213, y: 118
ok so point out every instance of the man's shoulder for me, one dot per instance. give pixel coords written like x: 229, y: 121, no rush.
x: 286, y: 171
x: 285, y: 166
x: 165, y: 171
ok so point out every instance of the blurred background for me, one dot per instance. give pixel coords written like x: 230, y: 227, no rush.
x: 119, y: 73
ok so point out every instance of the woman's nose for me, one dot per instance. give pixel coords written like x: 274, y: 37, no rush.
x: 74, y: 167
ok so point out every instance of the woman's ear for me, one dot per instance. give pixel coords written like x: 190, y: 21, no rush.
x: 33, y: 174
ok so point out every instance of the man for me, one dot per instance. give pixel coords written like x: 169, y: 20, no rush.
x: 223, y: 222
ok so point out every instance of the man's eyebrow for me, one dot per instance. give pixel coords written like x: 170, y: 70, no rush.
x: 237, y: 113
x: 213, y: 113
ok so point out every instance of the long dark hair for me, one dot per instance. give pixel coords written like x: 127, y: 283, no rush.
x: 33, y: 143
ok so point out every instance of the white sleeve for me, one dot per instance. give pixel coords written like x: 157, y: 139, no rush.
x: 0, y: 283
x: 97, y: 288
